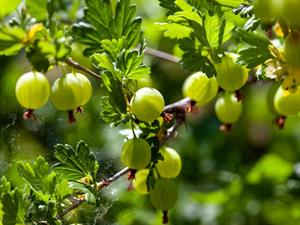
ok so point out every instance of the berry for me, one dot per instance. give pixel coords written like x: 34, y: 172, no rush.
x: 70, y: 92
x: 200, y: 88
x: 136, y: 153
x: 231, y: 76
x: 32, y: 91
x: 264, y: 9
x: 289, y: 11
x: 147, y: 104
x: 228, y: 108
x: 140, y: 181
x: 287, y: 103
x: 164, y: 194
x: 170, y: 166
x: 292, y: 49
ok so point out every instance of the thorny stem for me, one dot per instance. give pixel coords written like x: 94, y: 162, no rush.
x: 76, y: 65
x: 178, y: 108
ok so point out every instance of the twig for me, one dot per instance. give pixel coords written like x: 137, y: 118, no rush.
x: 162, y: 55
x: 76, y: 65
x: 76, y: 204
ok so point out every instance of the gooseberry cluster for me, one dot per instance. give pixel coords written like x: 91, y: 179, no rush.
x: 137, y: 154
x: 287, y: 96
x: 230, y: 78
x: 68, y: 93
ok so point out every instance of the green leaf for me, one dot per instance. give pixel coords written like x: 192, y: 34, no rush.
x: 257, y: 51
x: 14, y: 207
x: 131, y: 64
x: 62, y: 190
x: 108, y: 112
x: 271, y: 167
x: 174, y: 30
x: 217, y: 30
x: 104, y: 20
x: 8, y: 6
x: 75, y: 163
x: 11, y: 40
x: 39, y: 177
x: 169, y: 5
x: 37, y: 9
x: 231, y: 3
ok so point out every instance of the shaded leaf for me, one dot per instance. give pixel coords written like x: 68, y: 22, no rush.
x: 75, y: 163
x: 39, y: 177
x: 11, y: 40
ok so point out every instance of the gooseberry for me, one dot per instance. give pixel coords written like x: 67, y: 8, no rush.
x: 200, y: 88
x: 264, y: 9
x: 32, y: 91
x: 70, y: 92
x: 147, y: 104
x: 170, y: 166
x: 230, y: 76
x: 140, y: 181
x: 164, y: 194
x: 228, y: 108
x: 289, y: 11
x: 136, y: 153
x: 287, y: 103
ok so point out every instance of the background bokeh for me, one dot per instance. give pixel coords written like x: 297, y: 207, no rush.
x: 248, y: 177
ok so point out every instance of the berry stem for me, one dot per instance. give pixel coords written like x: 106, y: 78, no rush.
x: 165, y: 217
x: 29, y: 114
x: 71, y: 117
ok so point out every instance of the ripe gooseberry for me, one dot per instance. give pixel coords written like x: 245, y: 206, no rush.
x: 200, y: 88
x: 292, y: 48
x: 164, y: 195
x: 147, y: 104
x: 170, y: 166
x: 70, y: 92
x: 230, y: 76
x: 265, y: 9
x: 289, y: 11
x: 228, y: 108
x: 136, y: 153
x: 287, y: 103
x: 32, y: 92
x: 140, y: 181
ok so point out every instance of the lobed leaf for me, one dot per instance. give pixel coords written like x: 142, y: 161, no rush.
x: 75, y: 163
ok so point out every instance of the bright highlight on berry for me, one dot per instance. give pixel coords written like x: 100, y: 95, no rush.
x: 70, y: 92
x: 136, y: 153
x: 147, y: 104
x: 170, y: 166
x: 228, y: 108
x: 200, y: 88
x: 230, y: 75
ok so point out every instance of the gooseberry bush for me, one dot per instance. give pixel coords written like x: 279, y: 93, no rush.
x: 223, y: 45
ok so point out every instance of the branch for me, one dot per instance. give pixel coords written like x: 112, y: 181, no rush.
x: 76, y: 65
x: 100, y: 185
x: 161, y: 55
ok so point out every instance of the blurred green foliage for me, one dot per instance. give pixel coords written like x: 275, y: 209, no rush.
x: 248, y: 177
